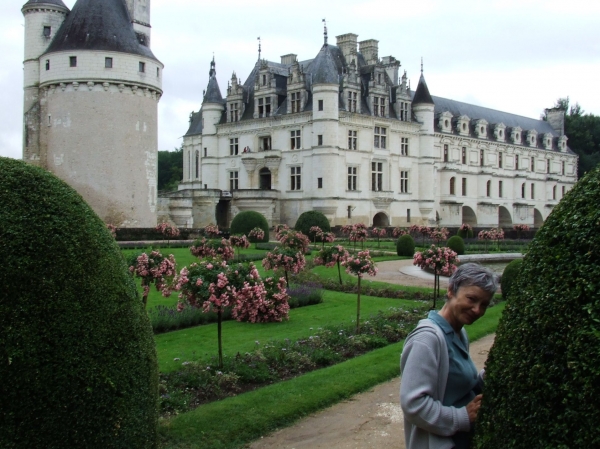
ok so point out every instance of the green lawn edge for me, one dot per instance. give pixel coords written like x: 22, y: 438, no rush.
x: 236, y: 421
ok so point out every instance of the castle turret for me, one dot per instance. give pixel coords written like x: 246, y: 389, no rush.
x: 98, y: 86
x: 423, y: 111
x: 212, y: 104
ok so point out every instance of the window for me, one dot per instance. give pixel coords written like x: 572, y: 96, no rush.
x: 452, y: 186
x: 320, y: 105
x: 233, y: 180
x: 265, y: 143
x: 523, y: 190
x: 488, y: 189
x: 352, y: 101
x: 233, y: 146
x: 349, y: 211
x: 157, y: 72
x: 295, y: 102
x: 320, y: 139
x: 142, y: 67
x: 464, y: 155
x: 532, y: 191
x: 72, y: 61
x: 264, y: 107
x: 563, y: 190
x: 47, y: 31
x: 47, y: 64
x: 352, y: 177
x: 403, y: 181
x: 295, y: 139
x: 108, y: 63
x: 197, y: 164
x: 554, y: 192
x: 377, y: 176
x: 205, y: 152
x: 500, y: 160
x: 319, y: 183
x: 464, y: 187
x: 408, y: 215
x: 379, y: 106
x: 234, y: 112
x: 516, y: 161
x: 562, y: 169
x: 295, y: 178
x: 404, y: 146
x: 380, y: 137
x: 547, y: 165
x: 379, y: 78
x: 532, y: 164
x: 500, y: 189
x: 481, y: 159
x: 352, y: 140
x: 404, y: 111
x: 264, y: 80
x: 445, y: 153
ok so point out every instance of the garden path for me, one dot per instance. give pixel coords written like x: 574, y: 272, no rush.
x: 368, y: 420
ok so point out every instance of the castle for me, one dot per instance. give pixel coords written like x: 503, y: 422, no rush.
x: 344, y: 134
x: 91, y: 89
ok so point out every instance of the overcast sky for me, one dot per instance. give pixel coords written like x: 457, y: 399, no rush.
x: 517, y: 56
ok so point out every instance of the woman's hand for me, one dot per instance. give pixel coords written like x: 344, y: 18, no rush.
x: 473, y: 407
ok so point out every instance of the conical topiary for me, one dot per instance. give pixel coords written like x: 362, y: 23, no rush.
x: 77, y: 358
x: 542, y: 382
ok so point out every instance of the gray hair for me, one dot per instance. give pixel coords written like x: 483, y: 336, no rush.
x: 473, y: 274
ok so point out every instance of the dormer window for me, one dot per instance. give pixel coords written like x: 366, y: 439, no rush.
x: 403, y: 111
x: 548, y: 141
x: 234, y: 112
x: 481, y: 128
x: 264, y: 80
x: 462, y: 125
x: 352, y: 99
x: 445, y: 122
x: 379, y: 78
x: 562, y: 144
x: 379, y: 106
x: 532, y: 138
x: 500, y: 132
x: 264, y: 107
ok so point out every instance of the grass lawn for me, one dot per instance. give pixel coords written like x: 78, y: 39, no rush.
x: 250, y: 415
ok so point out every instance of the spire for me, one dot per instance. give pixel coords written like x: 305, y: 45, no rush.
x: 422, y: 95
x: 325, y: 31
x: 259, y: 49
x: 212, y: 71
x: 323, y: 67
x: 213, y: 93
x: 421, y: 65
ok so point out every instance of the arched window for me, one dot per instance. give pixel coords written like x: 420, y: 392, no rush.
x: 452, y: 186
x: 197, y: 164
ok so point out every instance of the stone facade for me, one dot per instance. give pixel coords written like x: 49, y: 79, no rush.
x: 344, y: 134
x: 90, y: 104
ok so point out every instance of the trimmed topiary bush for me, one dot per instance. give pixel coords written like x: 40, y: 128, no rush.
x: 77, y: 356
x: 509, y: 275
x: 541, y: 385
x: 246, y: 221
x: 405, y: 246
x: 311, y: 218
x: 456, y: 244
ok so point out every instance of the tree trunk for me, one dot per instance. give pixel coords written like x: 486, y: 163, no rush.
x: 339, y: 271
x: 219, y: 316
x: 358, y: 308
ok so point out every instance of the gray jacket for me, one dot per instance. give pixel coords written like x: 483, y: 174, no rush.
x: 424, y: 366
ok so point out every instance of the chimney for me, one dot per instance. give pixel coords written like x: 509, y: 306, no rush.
x: 369, y: 50
x: 347, y: 43
x: 288, y: 59
x: 556, y: 118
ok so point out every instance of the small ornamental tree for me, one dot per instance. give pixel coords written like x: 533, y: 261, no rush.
x: 286, y: 259
x: 359, y: 233
x: 398, y: 231
x: 239, y: 241
x: 520, y: 228
x: 332, y: 255
x: 359, y: 265
x: 439, y: 259
x: 378, y: 232
x: 456, y: 244
x: 465, y: 231
x: 491, y: 235
x: 294, y: 240
x: 212, y: 249
x: 423, y: 231
x: 405, y: 246
x: 256, y: 235
x: 347, y: 230
x: 211, y: 231
x: 246, y: 221
x: 168, y: 231
x: 315, y: 232
x: 438, y: 235
x: 155, y: 269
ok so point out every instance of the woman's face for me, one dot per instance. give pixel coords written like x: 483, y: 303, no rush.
x: 467, y: 305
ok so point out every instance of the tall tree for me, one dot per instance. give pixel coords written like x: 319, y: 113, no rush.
x: 170, y: 169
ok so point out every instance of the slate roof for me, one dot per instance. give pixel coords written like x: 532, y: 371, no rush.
x: 327, y: 65
x: 99, y: 25
x: 213, y: 93
x: 46, y: 2
x: 422, y: 95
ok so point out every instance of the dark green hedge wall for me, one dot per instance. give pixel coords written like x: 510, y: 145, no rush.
x: 78, y: 364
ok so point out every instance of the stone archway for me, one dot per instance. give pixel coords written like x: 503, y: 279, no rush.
x: 538, y: 219
x: 468, y: 216
x: 381, y: 220
x: 504, y: 217
x: 264, y: 176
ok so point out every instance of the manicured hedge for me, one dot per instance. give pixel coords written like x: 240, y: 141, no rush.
x: 405, y: 246
x: 311, y: 218
x: 77, y: 357
x: 456, y: 244
x: 509, y: 275
x: 246, y: 221
x: 542, y: 372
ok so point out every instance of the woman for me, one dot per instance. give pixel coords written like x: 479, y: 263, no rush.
x: 440, y: 386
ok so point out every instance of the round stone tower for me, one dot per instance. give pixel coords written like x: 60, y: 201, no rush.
x: 94, y: 120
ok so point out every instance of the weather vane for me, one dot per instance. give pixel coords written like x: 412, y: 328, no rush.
x: 325, y: 31
x: 258, y: 38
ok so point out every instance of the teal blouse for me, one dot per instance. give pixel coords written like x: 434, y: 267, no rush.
x: 462, y: 374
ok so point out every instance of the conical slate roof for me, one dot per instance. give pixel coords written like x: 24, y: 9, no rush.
x: 99, y: 25
x: 213, y: 93
x: 45, y: 2
x: 323, y: 67
x: 422, y: 95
